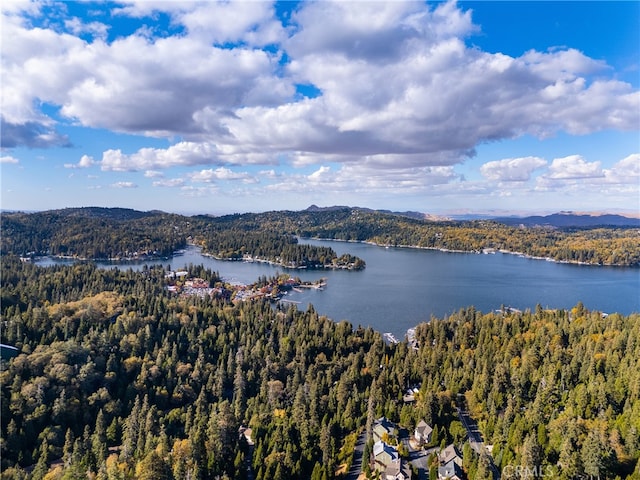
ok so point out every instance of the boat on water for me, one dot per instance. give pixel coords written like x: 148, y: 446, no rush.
x: 390, y: 337
x: 7, y: 351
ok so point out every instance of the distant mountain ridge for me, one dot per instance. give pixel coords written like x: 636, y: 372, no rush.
x: 570, y: 219
x: 408, y: 214
x: 560, y: 219
x: 114, y: 213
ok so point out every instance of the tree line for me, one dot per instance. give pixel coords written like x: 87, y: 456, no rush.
x: 120, y: 234
x: 95, y: 233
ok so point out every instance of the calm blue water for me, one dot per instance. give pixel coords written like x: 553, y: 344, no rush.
x: 402, y: 287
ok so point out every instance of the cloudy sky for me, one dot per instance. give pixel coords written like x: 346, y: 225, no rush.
x: 229, y: 107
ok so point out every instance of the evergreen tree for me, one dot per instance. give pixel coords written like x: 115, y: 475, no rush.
x: 99, y: 439
x: 153, y: 467
x: 42, y: 465
x: 596, y: 454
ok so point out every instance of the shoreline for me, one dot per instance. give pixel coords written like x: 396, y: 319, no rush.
x: 249, y: 259
x: 485, y: 251
x: 116, y: 260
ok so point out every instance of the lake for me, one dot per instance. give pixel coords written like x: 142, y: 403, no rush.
x: 402, y: 287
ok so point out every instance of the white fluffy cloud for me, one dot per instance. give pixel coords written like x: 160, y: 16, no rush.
x: 181, y: 154
x: 173, y: 182
x: 198, y: 191
x: 78, y: 27
x: 154, y: 87
x: 573, y: 167
x: 172, y: 86
x: 512, y: 169
x: 394, y: 77
x: 626, y: 170
x: 215, y: 22
x: 8, y: 159
x: 222, y: 22
x: 401, y: 97
x: 124, y: 185
x: 210, y: 175
x: 86, y: 161
x: 577, y: 176
x: 355, y: 178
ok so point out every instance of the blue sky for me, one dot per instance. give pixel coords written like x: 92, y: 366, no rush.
x: 439, y: 107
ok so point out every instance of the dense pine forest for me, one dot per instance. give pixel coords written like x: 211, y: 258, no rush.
x: 93, y: 233
x: 123, y: 234
x: 98, y: 233
x: 118, y: 378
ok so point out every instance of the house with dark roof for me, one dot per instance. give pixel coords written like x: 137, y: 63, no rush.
x: 384, y: 454
x: 450, y: 471
x: 450, y: 454
x: 383, y: 429
x: 450, y: 464
x: 423, y: 432
x: 387, y: 461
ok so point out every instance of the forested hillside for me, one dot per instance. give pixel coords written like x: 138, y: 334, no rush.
x: 599, y: 246
x: 122, y: 234
x: 120, y: 378
x: 126, y: 234
x: 547, y: 387
x: 94, y: 233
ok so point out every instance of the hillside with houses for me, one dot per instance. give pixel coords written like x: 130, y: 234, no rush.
x: 392, y: 452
